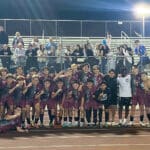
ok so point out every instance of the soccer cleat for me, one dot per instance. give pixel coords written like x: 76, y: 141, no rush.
x: 113, y: 123
x: 23, y: 126
x: 75, y: 124
x: 142, y: 124
x: 32, y: 123
x: 81, y: 124
x: 69, y: 124
x: 41, y: 125
x: 148, y: 125
x: 50, y: 124
x: 65, y: 124
x: 19, y: 129
x: 28, y: 126
x: 120, y: 122
x: 100, y: 125
x: 124, y: 122
x: 131, y: 123
x: 106, y: 125
x: 36, y: 125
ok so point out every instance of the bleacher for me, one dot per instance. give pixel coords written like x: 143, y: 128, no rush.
x: 115, y: 42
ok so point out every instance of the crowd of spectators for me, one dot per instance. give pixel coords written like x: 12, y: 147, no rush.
x: 51, y: 53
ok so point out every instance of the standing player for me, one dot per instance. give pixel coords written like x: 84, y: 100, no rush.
x: 138, y: 95
x: 111, y: 81
x: 103, y: 97
x: 55, y: 104
x: 7, y: 95
x: 32, y: 100
x: 97, y: 76
x: 146, y: 86
x: 19, y: 98
x: 89, y: 102
x: 45, y: 96
x: 125, y: 94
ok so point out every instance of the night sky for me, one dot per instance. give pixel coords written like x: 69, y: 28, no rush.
x: 68, y: 9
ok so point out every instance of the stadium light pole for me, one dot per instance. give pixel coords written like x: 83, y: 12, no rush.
x: 142, y: 10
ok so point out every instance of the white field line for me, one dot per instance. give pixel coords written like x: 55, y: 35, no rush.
x: 85, y: 136
x: 73, y: 146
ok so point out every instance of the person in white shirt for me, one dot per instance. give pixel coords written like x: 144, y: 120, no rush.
x: 20, y: 55
x: 125, y: 94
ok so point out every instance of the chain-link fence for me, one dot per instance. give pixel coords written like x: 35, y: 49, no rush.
x: 74, y: 28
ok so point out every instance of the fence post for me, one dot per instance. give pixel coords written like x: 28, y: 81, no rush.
x: 5, y: 25
x: 81, y: 23
x: 30, y: 27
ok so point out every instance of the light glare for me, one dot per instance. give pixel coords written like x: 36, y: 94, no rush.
x: 142, y: 10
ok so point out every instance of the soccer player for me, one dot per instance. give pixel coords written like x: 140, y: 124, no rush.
x: 125, y: 94
x: 32, y: 100
x: 89, y: 101
x: 103, y: 97
x: 111, y: 81
x: 137, y: 95
x: 146, y: 86
x: 45, y: 96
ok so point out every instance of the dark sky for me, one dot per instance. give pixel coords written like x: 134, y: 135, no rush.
x: 68, y: 9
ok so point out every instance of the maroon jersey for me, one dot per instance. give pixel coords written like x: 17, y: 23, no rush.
x: 6, y: 88
x: 97, y: 80
x: 89, y: 93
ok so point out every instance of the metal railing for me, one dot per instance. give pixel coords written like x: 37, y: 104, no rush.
x: 112, y: 61
x: 76, y: 28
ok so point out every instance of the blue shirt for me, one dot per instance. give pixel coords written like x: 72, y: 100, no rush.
x: 141, y: 50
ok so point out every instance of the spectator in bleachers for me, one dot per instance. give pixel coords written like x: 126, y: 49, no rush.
x: 17, y: 39
x: 119, y: 60
x: 31, y: 54
x: 77, y: 53
x: 68, y: 59
x: 50, y: 44
x: 51, y: 56
x: 36, y: 42
x: 42, y: 57
x: 20, y: 55
x: 140, y: 50
x: 104, y: 50
x: 127, y: 54
x: 108, y: 38
x: 88, y: 52
x: 60, y: 58
x: 3, y: 36
x: 5, y: 54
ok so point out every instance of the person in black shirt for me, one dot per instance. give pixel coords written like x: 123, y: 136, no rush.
x: 104, y: 50
x: 5, y: 54
x: 103, y: 96
x: 111, y: 81
x: 3, y: 36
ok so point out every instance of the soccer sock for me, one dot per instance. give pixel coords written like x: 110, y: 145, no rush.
x: 88, y: 115
x: 95, y: 116
x: 70, y: 119
x: 65, y: 119
x: 131, y: 118
x: 36, y: 120
x: 106, y: 116
x: 142, y: 118
x: 49, y: 114
x: 76, y: 118
x: 52, y: 118
x: 82, y: 119
x: 32, y: 117
x: 100, y: 115
x: 41, y: 118
x: 148, y: 116
x: 28, y: 121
